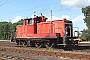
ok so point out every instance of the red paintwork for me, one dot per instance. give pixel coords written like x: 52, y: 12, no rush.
x: 58, y: 27
x: 44, y: 27
x: 41, y: 29
x: 19, y: 31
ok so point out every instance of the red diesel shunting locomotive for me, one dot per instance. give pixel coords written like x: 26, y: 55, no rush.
x: 39, y: 32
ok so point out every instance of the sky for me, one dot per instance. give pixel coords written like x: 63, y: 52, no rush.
x: 14, y: 10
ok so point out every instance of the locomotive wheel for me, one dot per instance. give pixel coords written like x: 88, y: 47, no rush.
x: 28, y: 43
x: 48, y: 45
x: 19, y: 43
x: 38, y: 45
x: 52, y: 45
x: 24, y: 43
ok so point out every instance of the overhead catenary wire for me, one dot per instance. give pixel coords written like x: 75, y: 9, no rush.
x: 48, y: 8
x: 53, y: 11
x: 6, y: 2
x: 38, y: 7
x: 30, y: 9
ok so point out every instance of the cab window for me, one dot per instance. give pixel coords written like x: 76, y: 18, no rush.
x: 30, y: 21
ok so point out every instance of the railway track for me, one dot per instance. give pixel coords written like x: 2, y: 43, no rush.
x: 10, y: 57
x: 9, y: 44
x: 74, y: 54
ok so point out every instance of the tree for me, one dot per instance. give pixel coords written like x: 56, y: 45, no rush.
x: 86, y: 12
x: 6, y: 28
x: 85, y: 34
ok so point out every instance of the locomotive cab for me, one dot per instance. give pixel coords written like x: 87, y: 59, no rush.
x: 35, y: 20
x: 65, y: 29
x: 28, y: 21
x: 33, y: 23
x: 68, y: 33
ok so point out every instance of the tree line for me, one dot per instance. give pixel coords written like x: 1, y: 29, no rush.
x: 6, y: 28
x: 86, y: 32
